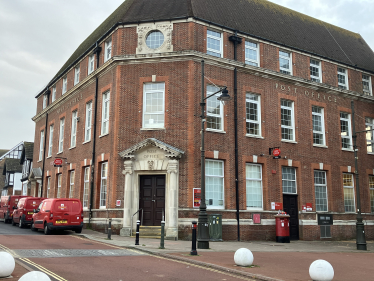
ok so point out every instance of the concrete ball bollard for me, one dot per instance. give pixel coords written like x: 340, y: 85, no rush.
x: 243, y: 257
x: 321, y: 270
x: 35, y: 276
x: 7, y: 264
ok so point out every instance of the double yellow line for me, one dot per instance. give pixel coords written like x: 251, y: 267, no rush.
x: 29, y: 262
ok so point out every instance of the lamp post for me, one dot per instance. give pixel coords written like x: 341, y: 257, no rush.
x: 360, y: 230
x: 202, y: 224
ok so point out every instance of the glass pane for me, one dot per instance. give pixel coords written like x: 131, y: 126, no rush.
x: 155, y: 39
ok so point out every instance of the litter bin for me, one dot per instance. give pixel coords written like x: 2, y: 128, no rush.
x: 282, y: 228
x: 215, y: 227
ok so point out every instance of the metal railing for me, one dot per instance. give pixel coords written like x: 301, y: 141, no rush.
x: 141, y: 221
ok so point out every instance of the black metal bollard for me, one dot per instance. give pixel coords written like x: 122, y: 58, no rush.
x: 110, y: 229
x: 137, y: 232
x: 162, y: 235
x: 193, y: 250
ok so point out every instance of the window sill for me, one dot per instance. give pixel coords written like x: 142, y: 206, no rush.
x: 104, y: 135
x: 255, y: 209
x: 49, y: 157
x: 152, y: 129
x: 59, y: 152
x: 254, y: 136
x: 102, y: 208
x: 289, y: 141
x: 40, y: 161
x: 348, y: 150
x: 215, y: 208
x: 371, y: 153
x: 86, y: 142
x: 72, y: 147
x: 215, y: 131
x: 320, y: 146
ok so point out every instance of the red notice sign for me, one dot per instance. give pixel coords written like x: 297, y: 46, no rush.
x: 276, y: 152
x: 58, y: 162
x: 196, y: 197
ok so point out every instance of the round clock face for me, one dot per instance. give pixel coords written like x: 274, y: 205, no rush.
x: 155, y: 39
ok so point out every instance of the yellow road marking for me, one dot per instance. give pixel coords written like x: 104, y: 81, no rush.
x: 43, y: 269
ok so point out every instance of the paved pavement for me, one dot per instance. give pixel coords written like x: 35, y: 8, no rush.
x: 272, y: 261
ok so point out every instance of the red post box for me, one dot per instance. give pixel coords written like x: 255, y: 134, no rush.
x: 282, y: 228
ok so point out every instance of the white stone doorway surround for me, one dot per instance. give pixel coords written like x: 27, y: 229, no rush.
x: 151, y: 157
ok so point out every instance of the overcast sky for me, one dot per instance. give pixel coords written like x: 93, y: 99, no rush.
x: 38, y: 36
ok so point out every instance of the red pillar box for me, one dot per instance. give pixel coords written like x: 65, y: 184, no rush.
x: 282, y: 228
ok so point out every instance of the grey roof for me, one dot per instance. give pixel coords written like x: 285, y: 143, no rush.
x: 12, y: 165
x: 27, y: 151
x: 173, y: 151
x: 36, y: 173
x: 258, y: 18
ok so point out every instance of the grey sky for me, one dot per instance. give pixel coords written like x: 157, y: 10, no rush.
x: 38, y: 36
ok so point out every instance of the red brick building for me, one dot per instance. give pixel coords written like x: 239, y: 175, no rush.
x: 124, y: 115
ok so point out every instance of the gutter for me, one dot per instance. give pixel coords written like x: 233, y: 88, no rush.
x: 45, y: 143
x: 97, y: 51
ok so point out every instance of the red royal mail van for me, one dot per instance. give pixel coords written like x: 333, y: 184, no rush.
x: 7, y: 204
x: 58, y: 214
x: 25, y: 209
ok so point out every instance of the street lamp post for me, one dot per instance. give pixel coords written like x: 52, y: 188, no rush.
x: 202, y: 225
x: 360, y: 230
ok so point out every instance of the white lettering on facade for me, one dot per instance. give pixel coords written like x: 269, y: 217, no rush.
x: 70, y: 103
x: 306, y: 93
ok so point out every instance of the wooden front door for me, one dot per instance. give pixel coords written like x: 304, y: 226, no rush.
x: 152, y: 199
x: 290, y: 207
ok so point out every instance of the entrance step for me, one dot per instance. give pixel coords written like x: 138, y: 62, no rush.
x: 150, y: 231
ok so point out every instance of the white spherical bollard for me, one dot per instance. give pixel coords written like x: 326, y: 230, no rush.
x: 7, y: 264
x: 35, y: 276
x: 243, y: 257
x: 321, y: 270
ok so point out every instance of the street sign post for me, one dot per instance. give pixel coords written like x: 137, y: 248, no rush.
x: 276, y: 153
x: 58, y: 162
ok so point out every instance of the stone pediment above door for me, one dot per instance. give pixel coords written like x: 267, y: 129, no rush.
x: 150, y: 150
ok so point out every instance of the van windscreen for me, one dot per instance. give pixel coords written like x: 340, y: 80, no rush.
x: 67, y: 206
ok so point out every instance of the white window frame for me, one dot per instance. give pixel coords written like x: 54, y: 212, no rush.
x: 320, y: 186
x: 48, y: 186
x: 256, y: 49
x: 214, y: 52
x: 344, y: 74
x: 61, y: 136
x: 91, y: 64
x: 369, y: 125
x: 45, y: 101
x: 257, y: 122
x: 286, y: 180
x: 210, y: 89
x: 292, y: 127
x: 322, y: 116
x: 74, y: 123
x: 24, y: 188
x: 352, y: 188
x: 366, y: 79
x: 76, y: 74
x: 281, y: 56
x: 108, y: 50
x: 207, y: 175
x: 54, y: 93
x: 64, y: 84
x: 41, y: 145
x: 71, y: 183
x: 103, y: 188
x: 316, y: 64
x: 349, y: 137
x: 248, y: 179
x: 86, y: 187
x: 88, y: 123
x: 371, y: 190
x: 146, y: 112
x: 59, y: 183
x: 50, y: 142
x: 105, y: 109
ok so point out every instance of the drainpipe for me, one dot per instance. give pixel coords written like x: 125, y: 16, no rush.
x: 96, y: 51
x: 236, y: 40
x: 45, y: 143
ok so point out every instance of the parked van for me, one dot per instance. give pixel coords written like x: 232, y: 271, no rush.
x: 58, y: 214
x: 24, y: 211
x: 7, y: 204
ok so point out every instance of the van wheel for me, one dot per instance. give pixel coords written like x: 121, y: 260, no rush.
x: 33, y: 227
x: 13, y: 223
x: 20, y: 225
x: 47, y: 231
x: 78, y: 230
